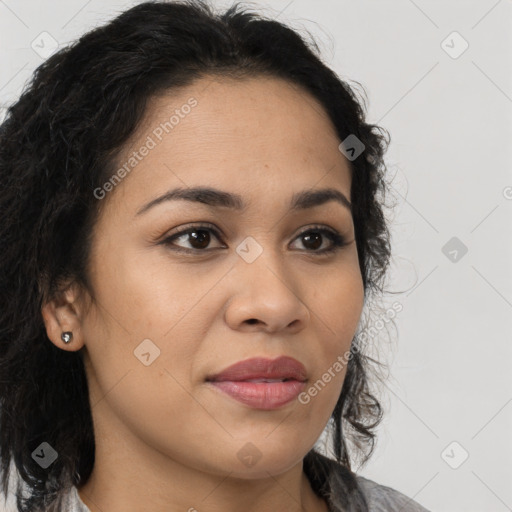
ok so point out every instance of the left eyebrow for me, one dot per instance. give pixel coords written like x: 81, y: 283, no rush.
x: 215, y: 198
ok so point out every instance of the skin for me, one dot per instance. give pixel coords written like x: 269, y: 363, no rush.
x: 165, y: 440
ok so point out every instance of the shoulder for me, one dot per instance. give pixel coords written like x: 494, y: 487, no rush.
x: 68, y: 499
x: 8, y: 502
x: 72, y: 502
x: 384, y: 499
x: 348, y: 491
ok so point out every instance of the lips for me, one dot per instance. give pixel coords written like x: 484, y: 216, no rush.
x: 262, y: 383
x: 260, y: 369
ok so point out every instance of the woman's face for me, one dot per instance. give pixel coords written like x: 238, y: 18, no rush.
x: 244, y: 283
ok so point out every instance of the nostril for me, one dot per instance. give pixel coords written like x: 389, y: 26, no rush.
x: 252, y: 321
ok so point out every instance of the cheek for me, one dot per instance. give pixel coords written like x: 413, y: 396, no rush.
x: 144, y: 329
x: 146, y: 295
x: 145, y: 381
x: 338, y: 306
x: 153, y: 403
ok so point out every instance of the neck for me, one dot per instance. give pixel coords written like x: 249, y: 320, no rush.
x: 194, y: 491
x: 129, y: 476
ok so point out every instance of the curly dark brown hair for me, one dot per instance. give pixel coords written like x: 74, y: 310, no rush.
x: 58, y: 143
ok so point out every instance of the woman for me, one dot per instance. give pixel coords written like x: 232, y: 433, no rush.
x: 192, y: 224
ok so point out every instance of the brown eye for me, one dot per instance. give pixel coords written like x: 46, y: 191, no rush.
x: 313, y: 239
x: 198, y: 238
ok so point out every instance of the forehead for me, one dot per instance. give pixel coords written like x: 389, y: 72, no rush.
x: 252, y: 134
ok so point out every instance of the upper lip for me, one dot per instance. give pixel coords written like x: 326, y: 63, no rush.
x: 283, y: 367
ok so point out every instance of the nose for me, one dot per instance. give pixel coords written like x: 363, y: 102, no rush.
x: 266, y: 297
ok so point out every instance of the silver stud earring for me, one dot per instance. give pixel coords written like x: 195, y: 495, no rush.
x: 66, y: 336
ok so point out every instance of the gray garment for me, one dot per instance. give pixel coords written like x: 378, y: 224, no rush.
x: 385, y: 499
x: 379, y: 498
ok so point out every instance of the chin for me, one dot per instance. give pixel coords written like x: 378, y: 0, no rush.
x: 253, y: 463
x: 260, y: 471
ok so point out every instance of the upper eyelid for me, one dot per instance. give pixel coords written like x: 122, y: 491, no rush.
x: 200, y: 226
x: 187, y: 228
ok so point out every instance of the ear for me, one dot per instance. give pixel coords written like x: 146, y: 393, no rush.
x: 64, y: 313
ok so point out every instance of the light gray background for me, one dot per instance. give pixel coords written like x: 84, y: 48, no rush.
x: 450, y: 122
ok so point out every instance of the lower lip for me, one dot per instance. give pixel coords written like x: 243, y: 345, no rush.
x: 262, y: 395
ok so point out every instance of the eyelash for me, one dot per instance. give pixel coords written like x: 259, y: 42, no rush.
x: 338, y: 241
